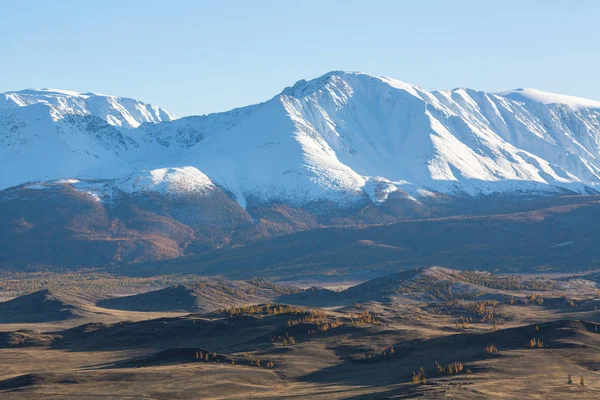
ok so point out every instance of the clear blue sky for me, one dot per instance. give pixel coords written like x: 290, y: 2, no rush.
x: 196, y: 57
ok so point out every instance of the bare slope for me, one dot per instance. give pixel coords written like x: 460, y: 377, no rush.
x: 208, y: 295
x: 554, y: 238
x: 42, y: 306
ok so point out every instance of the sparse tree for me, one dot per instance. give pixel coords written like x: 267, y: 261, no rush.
x: 570, y: 380
x: 494, y: 326
x: 491, y: 349
x: 415, y: 379
x: 581, y: 382
x: 439, y: 367
x: 419, y: 378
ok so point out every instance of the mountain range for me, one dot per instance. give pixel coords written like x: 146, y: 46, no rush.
x: 91, y: 179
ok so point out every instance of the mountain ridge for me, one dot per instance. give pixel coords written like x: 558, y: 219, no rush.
x: 345, y: 135
x: 344, y: 149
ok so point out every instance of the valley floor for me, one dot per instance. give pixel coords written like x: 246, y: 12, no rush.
x: 496, y: 344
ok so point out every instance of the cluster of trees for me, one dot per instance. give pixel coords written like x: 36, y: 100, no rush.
x: 389, y: 352
x: 324, y: 326
x: 419, y: 378
x: 258, y: 363
x: 385, y: 354
x: 201, y: 356
x: 266, y: 309
x: 533, y: 343
x: 364, y: 317
x: 509, y: 282
x: 286, y: 340
x: 463, y: 323
x: 581, y: 381
x: 455, y: 367
x: 484, y: 310
x: 317, y: 317
x: 469, y: 313
x: 491, y: 349
x: 535, y: 299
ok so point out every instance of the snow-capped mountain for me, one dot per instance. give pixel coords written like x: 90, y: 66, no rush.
x: 344, y: 137
x: 117, y: 111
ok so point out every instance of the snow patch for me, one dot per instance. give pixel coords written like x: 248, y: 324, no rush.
x: 534, y: 95
x: 563, y: 244
x: 168, y: 180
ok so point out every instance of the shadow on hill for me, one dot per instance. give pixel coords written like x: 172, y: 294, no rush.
x: 25, y: 338
x: 234, y: 333
x: 173, y: 298
x: 41, y: 306
x: 410, y: 355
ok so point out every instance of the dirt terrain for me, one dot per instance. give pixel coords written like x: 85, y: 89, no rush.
x: 427, y: 333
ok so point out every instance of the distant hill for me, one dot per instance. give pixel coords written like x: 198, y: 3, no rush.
x: 41, y: 306
x: 424, y: 284
x: 206, y: 296
x: 560, y: 237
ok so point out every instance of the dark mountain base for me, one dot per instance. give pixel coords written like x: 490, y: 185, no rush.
x: 560, y: 237
x: 59, y: 227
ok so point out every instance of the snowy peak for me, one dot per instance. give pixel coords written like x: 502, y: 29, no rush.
x: 462, y: 139
x: 345, y: 81
x: 344, y: 137
x: 117, y: 111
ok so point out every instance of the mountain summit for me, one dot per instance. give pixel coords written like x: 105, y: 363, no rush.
x: 92, y: 179
x: 118, y: 111
x: 339, y: 138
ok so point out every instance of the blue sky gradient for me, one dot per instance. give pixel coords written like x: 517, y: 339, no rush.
x: 196, y: 57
